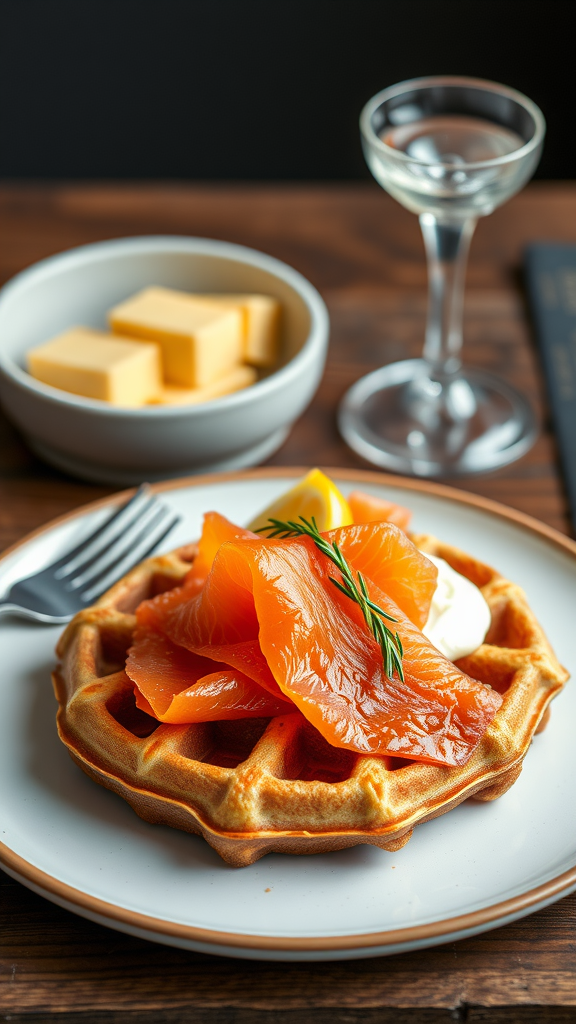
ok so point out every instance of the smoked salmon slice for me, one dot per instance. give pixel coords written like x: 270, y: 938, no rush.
x: 365, y: 508
x: 216, y: 530
x: 384, y: 553
x: 176, y: 686
x: 269, y: 611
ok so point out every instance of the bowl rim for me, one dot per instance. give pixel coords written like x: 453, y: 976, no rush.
x: 315, y: 344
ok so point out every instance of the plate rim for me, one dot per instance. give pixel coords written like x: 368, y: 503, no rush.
x: 478, y: 919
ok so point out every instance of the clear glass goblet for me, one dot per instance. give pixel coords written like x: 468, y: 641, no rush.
x: 451, y: 150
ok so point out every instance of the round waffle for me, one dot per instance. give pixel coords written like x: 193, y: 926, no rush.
x: 254, y: 786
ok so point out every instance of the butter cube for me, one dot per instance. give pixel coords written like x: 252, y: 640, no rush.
x: 261, y: 315
x: 98, y: 365
x: 241, y: 377
x: 200, y: 341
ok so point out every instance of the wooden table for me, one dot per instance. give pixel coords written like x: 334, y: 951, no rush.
x: 365, y: 255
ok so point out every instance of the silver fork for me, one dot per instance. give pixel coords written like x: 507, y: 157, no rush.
x: 74, y: 581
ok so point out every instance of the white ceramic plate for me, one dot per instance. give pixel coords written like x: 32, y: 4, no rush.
x: 479, y: 866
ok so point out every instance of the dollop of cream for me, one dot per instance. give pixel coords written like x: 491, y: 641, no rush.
x: 459, y: 616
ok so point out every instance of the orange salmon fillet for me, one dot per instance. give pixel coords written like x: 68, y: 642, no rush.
x: 268, y: 611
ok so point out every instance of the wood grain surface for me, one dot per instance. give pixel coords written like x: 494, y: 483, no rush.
x: 365, y: 255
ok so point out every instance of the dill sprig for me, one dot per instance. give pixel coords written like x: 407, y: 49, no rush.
x: 355, y: 589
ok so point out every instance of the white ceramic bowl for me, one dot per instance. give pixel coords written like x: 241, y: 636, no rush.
x: 99, y: 442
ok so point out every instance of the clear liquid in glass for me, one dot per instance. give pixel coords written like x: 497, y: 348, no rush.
x: 438, y: 177
x: 452, y: 139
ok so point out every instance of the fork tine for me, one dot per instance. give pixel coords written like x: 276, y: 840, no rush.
x: 80, y: 570
x: 114, y: 552
x: 97, y: 548
x: 65, y: 564
x: 98, y: 587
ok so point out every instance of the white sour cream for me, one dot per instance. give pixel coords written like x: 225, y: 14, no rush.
x: 459, y: 616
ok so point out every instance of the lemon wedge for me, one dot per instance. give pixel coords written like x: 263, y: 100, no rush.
x: 314, y: 496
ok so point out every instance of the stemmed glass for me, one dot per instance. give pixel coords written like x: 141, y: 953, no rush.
x: 451, y: 150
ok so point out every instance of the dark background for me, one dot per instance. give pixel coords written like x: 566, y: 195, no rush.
x: 254, y: 89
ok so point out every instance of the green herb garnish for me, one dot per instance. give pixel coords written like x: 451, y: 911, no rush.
x: 389, y: 642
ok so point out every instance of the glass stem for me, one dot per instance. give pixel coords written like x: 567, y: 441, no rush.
x: 447, y: 252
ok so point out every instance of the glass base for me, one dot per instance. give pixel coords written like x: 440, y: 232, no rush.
x: 404, y: 418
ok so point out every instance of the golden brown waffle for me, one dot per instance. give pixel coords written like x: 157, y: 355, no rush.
x: 259, y: 785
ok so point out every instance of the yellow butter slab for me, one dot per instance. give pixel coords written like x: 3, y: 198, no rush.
x: 240, y: 378
x: 98, y: 365
x: 261, y: 324
x: 200, y: 341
